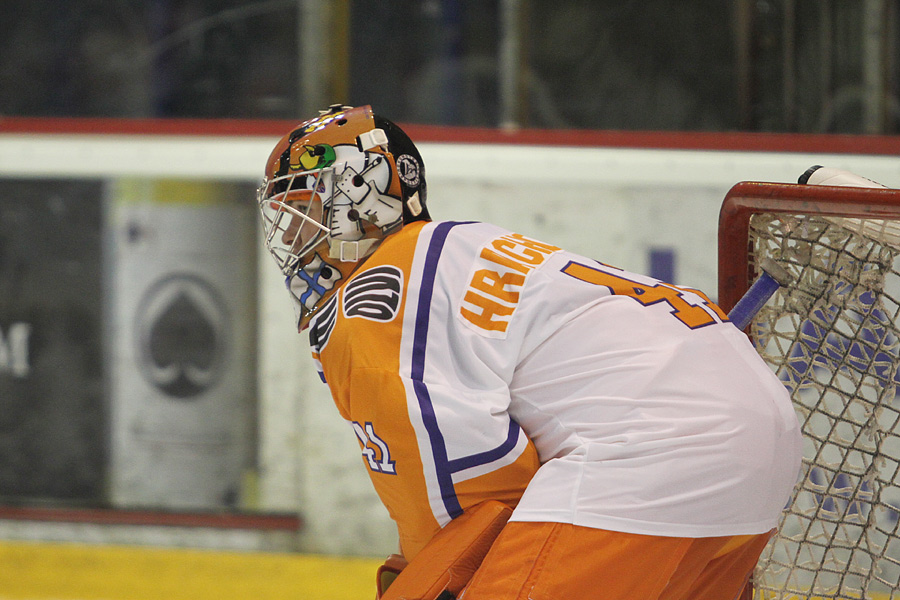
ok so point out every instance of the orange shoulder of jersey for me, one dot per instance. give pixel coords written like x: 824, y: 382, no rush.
x: 368, y: 341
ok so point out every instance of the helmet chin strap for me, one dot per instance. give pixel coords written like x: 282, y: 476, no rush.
x: 350, y: 251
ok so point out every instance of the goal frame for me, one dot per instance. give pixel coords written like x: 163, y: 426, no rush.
x: 736, y: 270
x: 745, y: 199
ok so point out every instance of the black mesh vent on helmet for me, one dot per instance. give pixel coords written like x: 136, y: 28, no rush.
x: 284, y: 161
x: 399, y: 145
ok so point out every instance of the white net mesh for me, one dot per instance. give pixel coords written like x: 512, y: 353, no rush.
x: 832, y: 337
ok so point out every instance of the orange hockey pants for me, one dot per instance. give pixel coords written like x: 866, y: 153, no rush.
x: 557, y: 561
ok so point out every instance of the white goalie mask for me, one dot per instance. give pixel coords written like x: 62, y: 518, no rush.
x: 331, y: 194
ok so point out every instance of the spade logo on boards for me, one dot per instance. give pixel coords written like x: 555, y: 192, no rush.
x: 181, y: 333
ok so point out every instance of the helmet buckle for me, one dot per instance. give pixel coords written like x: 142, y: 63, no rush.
x: 371, y: 139
x: 346, y: 251
x: 414, y: 205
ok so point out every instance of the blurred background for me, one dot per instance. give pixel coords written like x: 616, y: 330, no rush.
x: 749, y: 65
x: 152, y: 391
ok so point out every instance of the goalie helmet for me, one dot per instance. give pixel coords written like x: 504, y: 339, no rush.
x: 334, y: 188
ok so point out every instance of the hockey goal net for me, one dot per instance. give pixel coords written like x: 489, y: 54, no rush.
x: 832, y: 337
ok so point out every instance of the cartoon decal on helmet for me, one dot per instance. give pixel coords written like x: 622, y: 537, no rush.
x: 332, y: 192
x: 312, y: 157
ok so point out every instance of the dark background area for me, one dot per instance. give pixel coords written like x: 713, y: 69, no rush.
x: 829, y: 66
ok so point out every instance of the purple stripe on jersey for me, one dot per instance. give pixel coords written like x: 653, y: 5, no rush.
x: 438, y: 451
x: 444, y: 467
x: 483, y: 458
x: 420, y: 339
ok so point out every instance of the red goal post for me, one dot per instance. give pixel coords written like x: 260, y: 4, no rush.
x: 832, y: 337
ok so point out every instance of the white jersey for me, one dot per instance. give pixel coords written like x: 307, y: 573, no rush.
x: 649, y: 411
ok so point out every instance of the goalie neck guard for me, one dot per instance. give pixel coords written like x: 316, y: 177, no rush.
x: 334, y: 188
